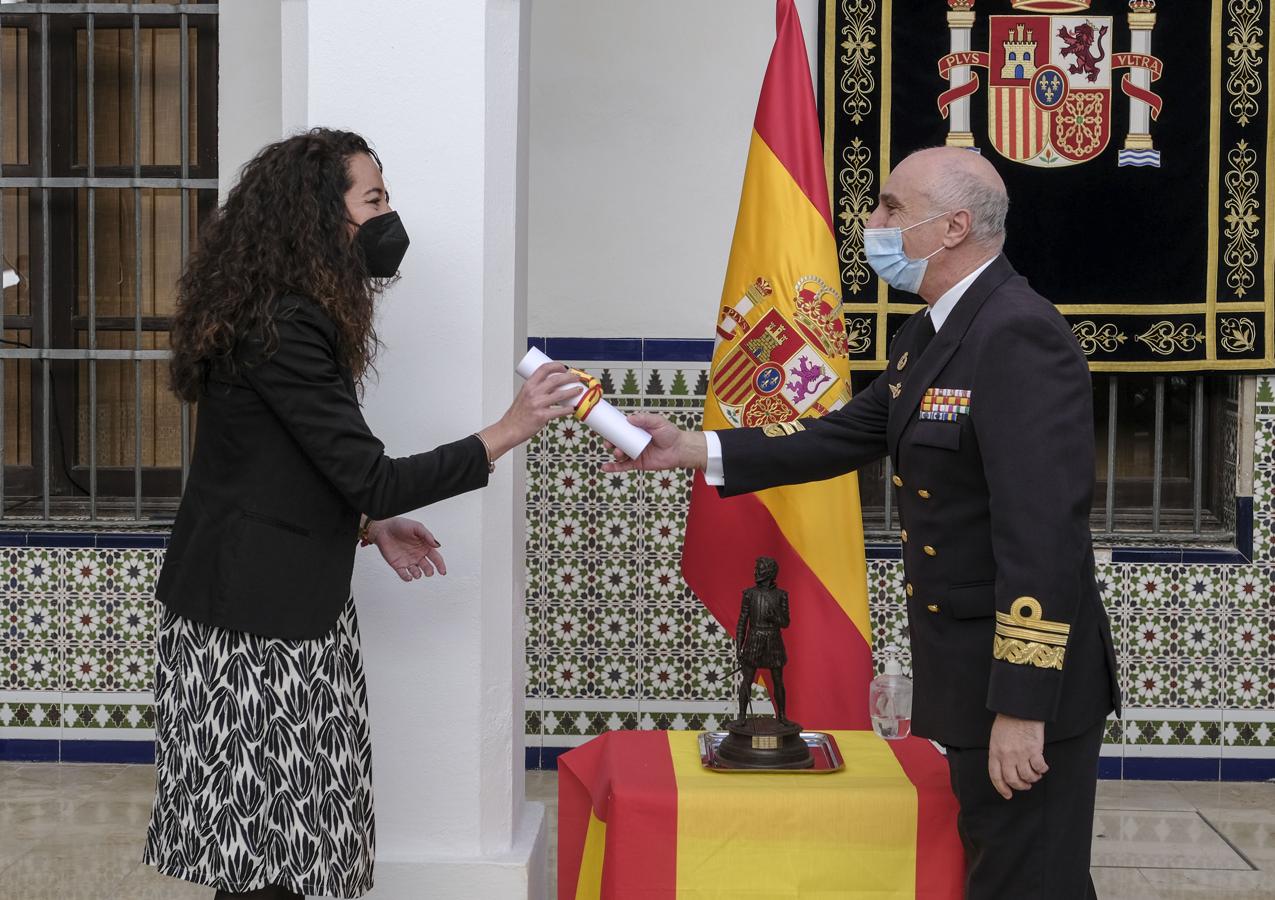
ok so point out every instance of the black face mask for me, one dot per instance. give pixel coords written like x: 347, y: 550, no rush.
x: 384, y: 241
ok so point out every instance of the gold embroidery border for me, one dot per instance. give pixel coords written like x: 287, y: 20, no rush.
x: 1165, y: 338
x: 1238, y: 334
x: 1244, y: 83
x: 1243, y: 218
x: 1029, y: 653
x: 1025, y: 626
x: 1093, y: 338
x: 1268, y: 264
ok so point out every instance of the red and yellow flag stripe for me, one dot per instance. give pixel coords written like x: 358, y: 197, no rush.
x: 640, y: 818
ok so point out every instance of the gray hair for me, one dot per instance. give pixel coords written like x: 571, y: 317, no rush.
x: 987, y: 203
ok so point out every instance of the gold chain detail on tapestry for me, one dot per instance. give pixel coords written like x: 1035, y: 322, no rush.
x: 1240, y: 254
x: 1244, y: 84
x: 1084, y: 134
x: 1093, y: 338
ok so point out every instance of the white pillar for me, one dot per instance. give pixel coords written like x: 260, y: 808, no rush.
x: 960, y: 43
x: 294, y: 55
x: 960, y: 22
x: 1139, y: 148
x: 250, y: 71
x: 1140, y: 27
x: 439, y: 88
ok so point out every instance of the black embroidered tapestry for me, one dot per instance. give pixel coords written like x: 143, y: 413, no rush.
x: 1134, y: 138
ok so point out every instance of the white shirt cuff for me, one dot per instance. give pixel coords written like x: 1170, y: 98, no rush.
x: 713, y: 474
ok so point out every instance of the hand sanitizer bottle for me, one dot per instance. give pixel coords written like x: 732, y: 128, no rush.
x: 890, y: 702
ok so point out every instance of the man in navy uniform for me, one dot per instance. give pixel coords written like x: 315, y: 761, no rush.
x: 985, y: 409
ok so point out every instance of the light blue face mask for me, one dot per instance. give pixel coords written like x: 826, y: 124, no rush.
x: 884, y: 249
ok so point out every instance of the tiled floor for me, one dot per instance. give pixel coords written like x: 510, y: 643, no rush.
x: 74, y: 832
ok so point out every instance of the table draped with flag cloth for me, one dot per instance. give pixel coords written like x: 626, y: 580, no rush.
x: 641, y: 819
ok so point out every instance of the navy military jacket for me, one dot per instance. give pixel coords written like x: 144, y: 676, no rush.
x: 990, y: 429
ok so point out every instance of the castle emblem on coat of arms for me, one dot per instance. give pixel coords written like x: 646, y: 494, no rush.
x: 1050, y: 82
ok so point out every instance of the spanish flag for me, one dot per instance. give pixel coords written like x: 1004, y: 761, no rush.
x: 640, y: 819
x: 782, y: 354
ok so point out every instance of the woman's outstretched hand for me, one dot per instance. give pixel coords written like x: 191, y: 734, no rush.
x: 670, y: 447
x: 549, y: 394
x: 407, y: 547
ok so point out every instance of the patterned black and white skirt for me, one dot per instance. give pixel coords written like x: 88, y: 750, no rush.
x: 263, y: 761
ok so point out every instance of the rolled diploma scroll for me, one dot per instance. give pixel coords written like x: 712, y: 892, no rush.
x: 601, y: 416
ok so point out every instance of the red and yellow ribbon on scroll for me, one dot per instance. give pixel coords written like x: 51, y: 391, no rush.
x: 591, y: 396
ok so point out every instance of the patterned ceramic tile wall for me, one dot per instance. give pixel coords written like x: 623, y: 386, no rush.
x: 76, y: 635
x: 616, y: 648
x: 616, y: 640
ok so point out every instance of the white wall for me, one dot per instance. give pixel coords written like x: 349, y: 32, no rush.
x: 640, y: 121
x: 250, y: 73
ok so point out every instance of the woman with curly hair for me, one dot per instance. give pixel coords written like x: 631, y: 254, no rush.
x: 263, y: 762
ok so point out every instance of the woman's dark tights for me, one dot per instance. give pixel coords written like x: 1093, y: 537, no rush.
x: 274, y: 892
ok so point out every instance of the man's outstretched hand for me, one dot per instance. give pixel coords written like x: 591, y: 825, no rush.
x: 670, y: 447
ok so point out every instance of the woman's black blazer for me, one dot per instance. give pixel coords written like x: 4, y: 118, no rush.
x: 283, y: 465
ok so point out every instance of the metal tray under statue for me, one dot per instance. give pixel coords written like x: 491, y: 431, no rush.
x: 823, y: 750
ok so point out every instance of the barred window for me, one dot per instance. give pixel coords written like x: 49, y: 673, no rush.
x: 108, y: 135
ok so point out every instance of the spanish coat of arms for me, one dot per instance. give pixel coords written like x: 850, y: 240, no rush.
x: 1050, y: 77
x: 778, y: 368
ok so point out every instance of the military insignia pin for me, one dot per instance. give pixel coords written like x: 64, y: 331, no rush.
x: 903, y: 360
x: 896, y: 389
x: 945, y: 404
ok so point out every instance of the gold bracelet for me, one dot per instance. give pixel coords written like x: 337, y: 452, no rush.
x: 491, y: 463
x: 364, y: 529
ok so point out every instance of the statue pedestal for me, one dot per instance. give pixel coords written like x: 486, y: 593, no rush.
x: 763, y: 742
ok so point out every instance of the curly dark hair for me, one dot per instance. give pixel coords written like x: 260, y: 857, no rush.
x: 282, y: 230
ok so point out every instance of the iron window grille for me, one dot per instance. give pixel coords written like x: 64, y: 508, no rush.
x: 108, y: 158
